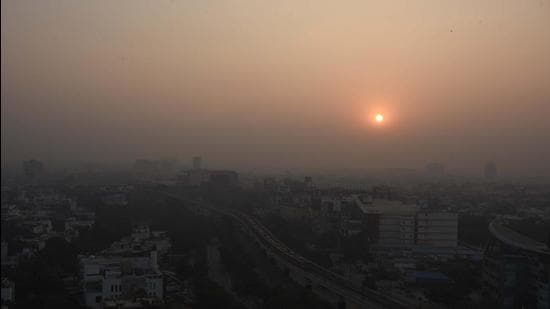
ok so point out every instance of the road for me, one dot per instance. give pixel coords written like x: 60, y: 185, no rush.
x: 329, y: 279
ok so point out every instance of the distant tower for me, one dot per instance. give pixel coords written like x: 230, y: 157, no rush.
x: 490, y: 170
x: 197, y: 163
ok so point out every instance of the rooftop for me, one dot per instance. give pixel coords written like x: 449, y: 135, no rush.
x: 388, y: 207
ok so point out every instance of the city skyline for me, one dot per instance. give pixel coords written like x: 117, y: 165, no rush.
x: 236, y: 154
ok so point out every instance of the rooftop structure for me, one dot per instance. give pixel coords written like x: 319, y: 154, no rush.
x: 389, y: 207
x: 516, y: 269
x: 142, y: 240
x: 517, y: 240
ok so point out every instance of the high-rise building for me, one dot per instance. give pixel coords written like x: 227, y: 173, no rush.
x: 490, y: 170
x: 197, y: 163
x: 516, y: 269
x: 32, y: 168
x: 393, y: 222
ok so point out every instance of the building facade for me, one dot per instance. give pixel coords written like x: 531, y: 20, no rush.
x: 437, y: 229
x: 121, y: 280
x: 516, y: 269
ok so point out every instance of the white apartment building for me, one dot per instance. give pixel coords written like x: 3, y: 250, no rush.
x: 395, y: 220
x: 403, y: 225
x: 121, y: 279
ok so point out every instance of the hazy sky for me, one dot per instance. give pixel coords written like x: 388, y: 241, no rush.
x: 279, y: 83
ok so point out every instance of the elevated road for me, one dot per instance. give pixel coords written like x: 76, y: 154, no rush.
x: 312, y: 272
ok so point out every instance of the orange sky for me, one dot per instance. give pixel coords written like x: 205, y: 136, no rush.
x: 279, y: 84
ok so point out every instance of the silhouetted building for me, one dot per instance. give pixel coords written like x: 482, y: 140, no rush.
x: 516, y: 269
x: 270, y: 184
x: 33, y: 168
x: 193, y: 178
x: 224, y: 178
x: 199, y: 177
x: 168, y: 164
x: 382, y: 192
x: 490, y: 170
x: 197, y: 163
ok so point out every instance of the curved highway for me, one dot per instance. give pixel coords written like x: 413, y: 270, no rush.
x: 330, y: 279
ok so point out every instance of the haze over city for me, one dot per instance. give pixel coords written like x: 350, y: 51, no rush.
x: 233, y: 154
x: 284, y: 84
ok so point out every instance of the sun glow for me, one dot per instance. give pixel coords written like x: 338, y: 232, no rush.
x: 379, y: 118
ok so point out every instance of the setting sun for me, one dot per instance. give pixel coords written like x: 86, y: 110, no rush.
x: 379, y: 118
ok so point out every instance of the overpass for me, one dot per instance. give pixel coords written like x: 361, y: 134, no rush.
x: 325, y: 283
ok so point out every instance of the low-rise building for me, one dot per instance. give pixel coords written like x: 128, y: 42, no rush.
x: 142, y: 240
x: 106, y: 280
